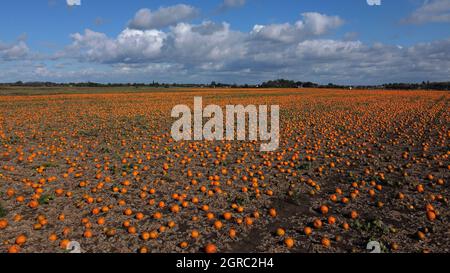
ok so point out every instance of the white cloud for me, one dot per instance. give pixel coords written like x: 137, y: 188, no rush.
x: 313, y: 24
x: 374, y: 2
x: 187, y: 52
x: 243, y: 60
x: 163, y: 17
x: 211, y: 51
x: 432, y: 11
x: 205, y: 42
x: 73, y: 2
x: 327, y: 48
x: 131, y: 46
x: 319, y: 24
x: 17, y: 51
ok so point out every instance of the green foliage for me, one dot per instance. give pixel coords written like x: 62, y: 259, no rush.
x: 45, y: 199
x: 3, y: 211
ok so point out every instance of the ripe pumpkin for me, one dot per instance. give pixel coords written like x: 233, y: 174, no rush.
x: 184, y: 244
x: 218, y: 224
x: 227, y: 215
x: 33, y: 204
x: 145, y: 236
x: 317, y: 223
x: 21, y: 239
x: 431, y: 215
x: 3, y: 223
x: 139, y: 216
x: 331, y: 220
x: 272, y: 212
x: 232, y: 233
x: 210, y: 248
x: 128, y: 212
x: 88, y: 234
x: 326, y: 242
x: 14, y: 249
x: 280, y: 232
x: 143, y: 250
x: 307, y: 231
x: 175, y: 209
x: 289, y: 242
x: 195, y: 234
x: 324, y: 209
x: 64, y: 244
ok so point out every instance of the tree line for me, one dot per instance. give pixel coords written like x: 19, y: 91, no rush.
x: 279, y: 83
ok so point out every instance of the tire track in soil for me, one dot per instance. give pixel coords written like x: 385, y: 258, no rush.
x: 287, y: 209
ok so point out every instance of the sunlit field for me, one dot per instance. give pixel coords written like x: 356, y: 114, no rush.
x: 102, y: 169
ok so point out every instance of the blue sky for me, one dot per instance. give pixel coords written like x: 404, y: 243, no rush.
x: 225, y: 40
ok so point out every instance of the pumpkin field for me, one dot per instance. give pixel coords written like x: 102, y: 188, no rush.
x: 101, y: 169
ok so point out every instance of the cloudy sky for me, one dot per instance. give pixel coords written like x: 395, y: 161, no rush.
x: 232, y: 41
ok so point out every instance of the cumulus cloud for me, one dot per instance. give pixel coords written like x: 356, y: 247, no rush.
x: 131, y: 46
x: 207, y: 51
x: 319, y: 24
x: 320, y: 60
x: 10, y: 52
x: 205, y: 43
x: 165, y: 16
x: 186, y: 44
x: 73, y: 2
x: 326, y: 49
x: 432, y: 11
x: 350, y: 61
x: 313, y: 24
